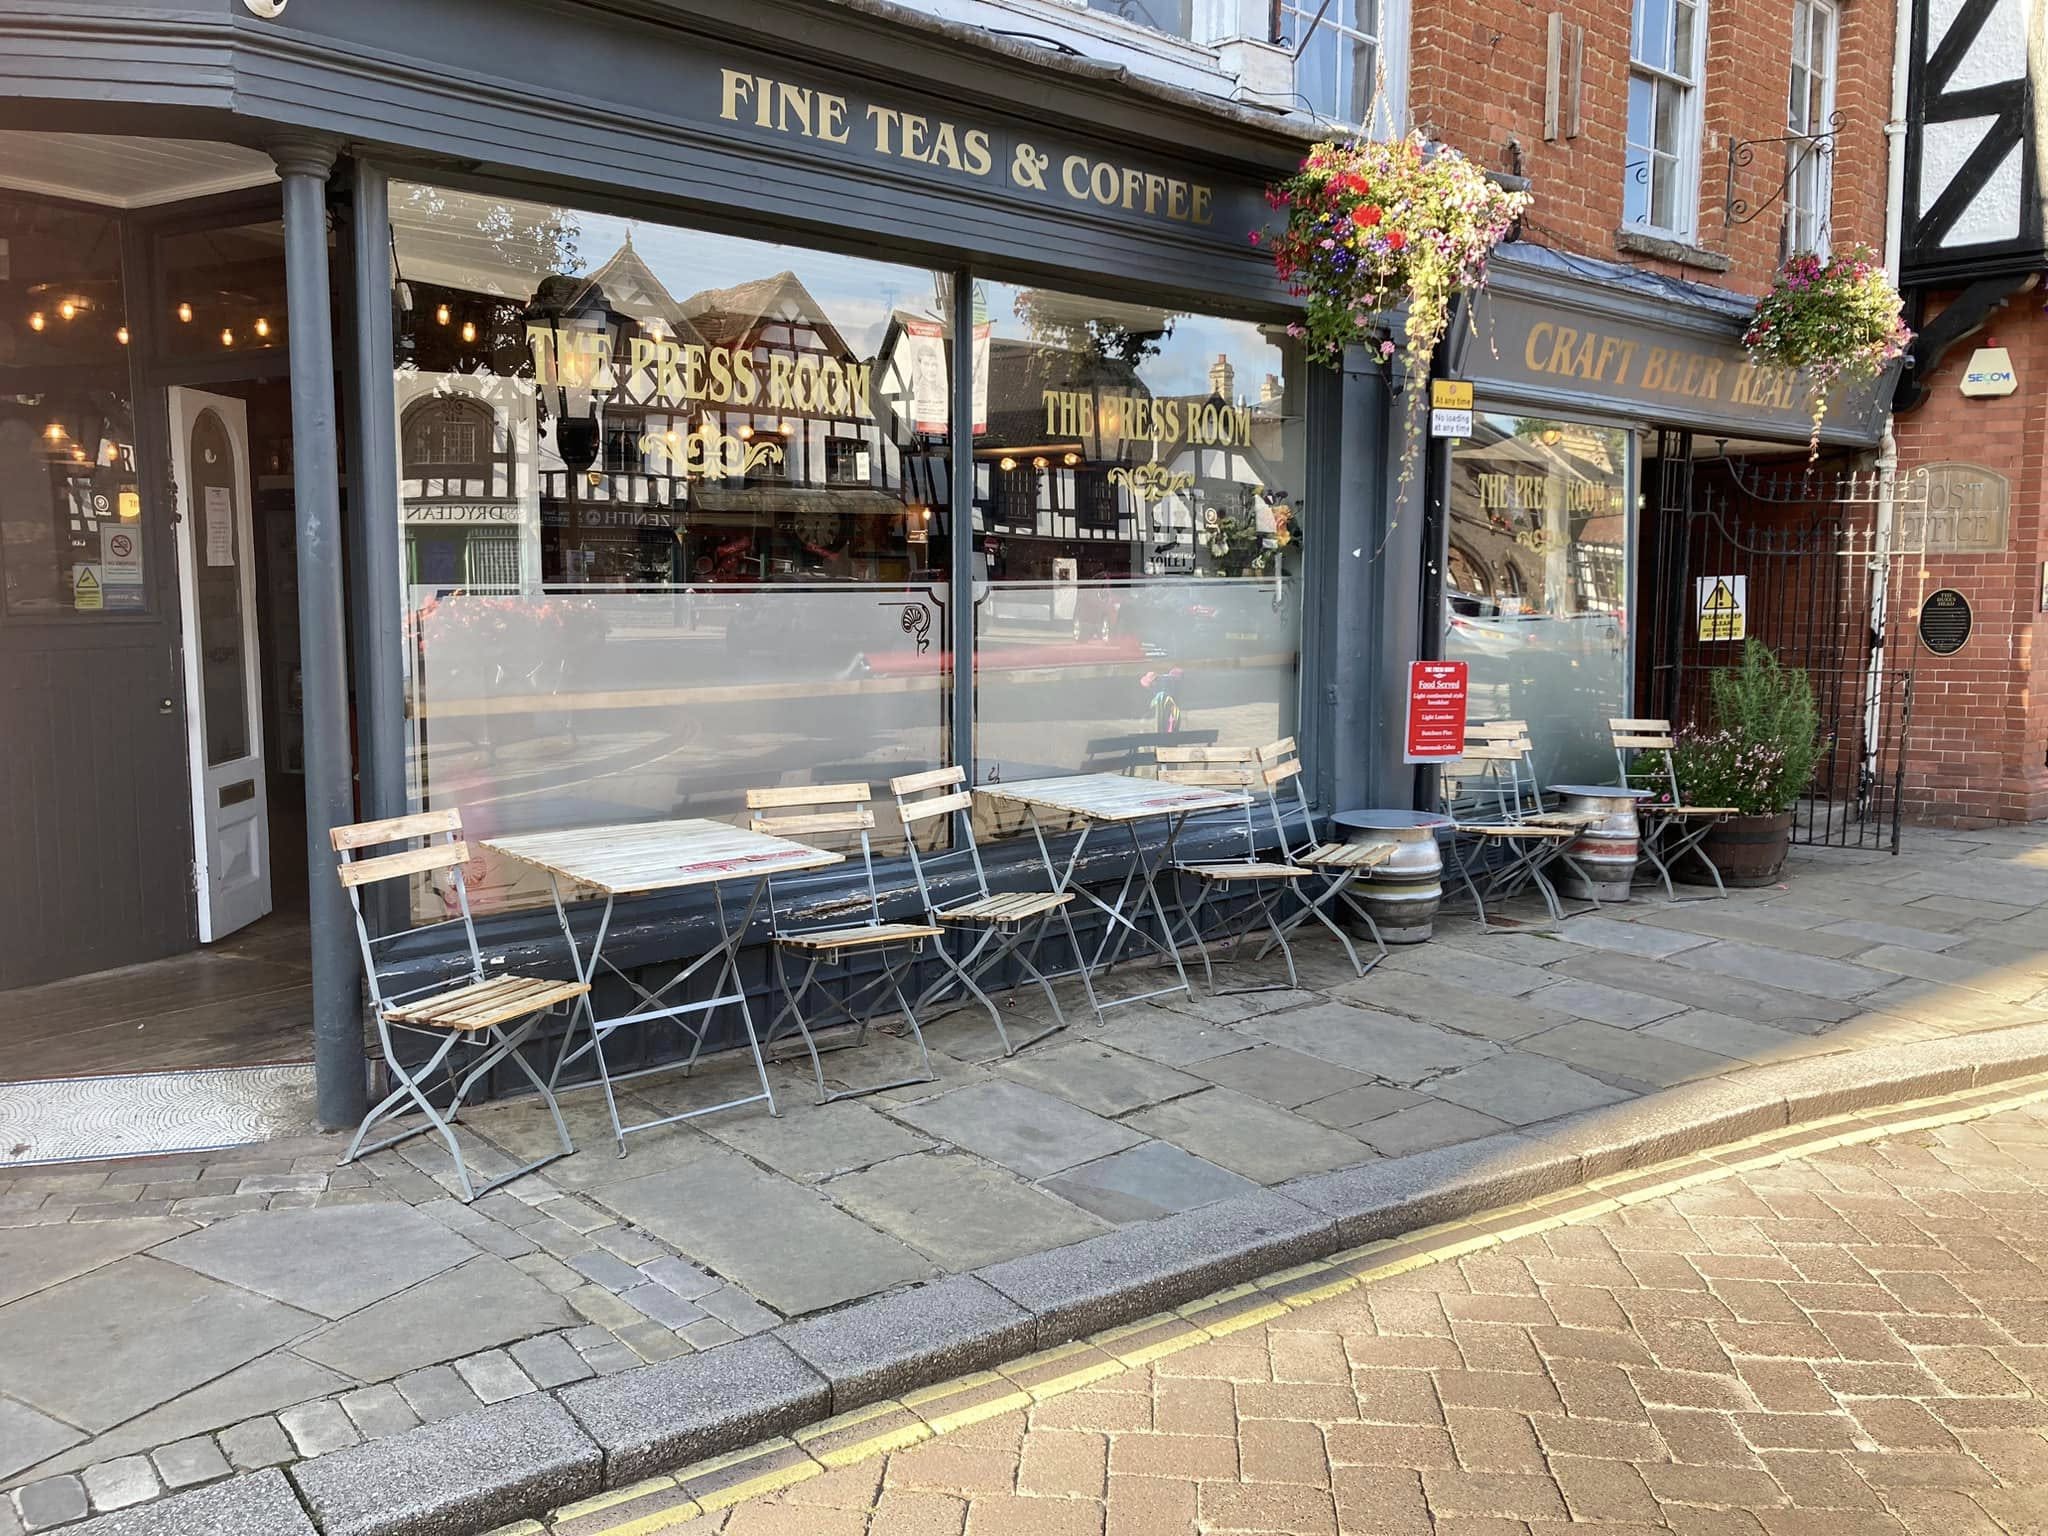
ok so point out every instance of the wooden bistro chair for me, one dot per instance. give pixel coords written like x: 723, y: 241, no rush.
x: 1003, y: 922
x: 1671, y: 829
x: 1515, y: 839
x: 1337, y: 866
x: 494, y: 1012
x: 813, y: 810
x: 1262, y: 882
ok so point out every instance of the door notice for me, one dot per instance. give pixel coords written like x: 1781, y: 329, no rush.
x: 1723, y: 607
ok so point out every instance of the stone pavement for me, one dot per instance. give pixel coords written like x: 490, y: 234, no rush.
x: 163, y: 1321
x: 1850, y: 1344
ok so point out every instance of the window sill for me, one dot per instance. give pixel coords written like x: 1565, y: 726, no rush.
x: 1634, y: 242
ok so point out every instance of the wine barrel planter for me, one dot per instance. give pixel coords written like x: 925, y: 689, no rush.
x: 1748, y: 850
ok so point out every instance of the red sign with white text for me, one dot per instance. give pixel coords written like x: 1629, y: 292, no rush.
x: 1436, y: 711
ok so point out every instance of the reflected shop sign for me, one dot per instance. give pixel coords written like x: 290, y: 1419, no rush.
x: 1677, y: 377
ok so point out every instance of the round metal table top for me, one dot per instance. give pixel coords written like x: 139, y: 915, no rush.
x: 1390, y: 821
x: 1602, y: 791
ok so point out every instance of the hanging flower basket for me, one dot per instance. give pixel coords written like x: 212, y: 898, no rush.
x: 1373, y: 225
x: 1836, y: 318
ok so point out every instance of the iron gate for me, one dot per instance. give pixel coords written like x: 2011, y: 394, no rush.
x: 1804, y: 559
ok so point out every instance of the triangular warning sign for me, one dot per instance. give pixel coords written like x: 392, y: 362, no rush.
x: 87, y: 582
x: 1720, y: 600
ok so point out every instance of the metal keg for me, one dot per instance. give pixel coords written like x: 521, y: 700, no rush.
x: 1403, y: 893
x: 1603, y: 856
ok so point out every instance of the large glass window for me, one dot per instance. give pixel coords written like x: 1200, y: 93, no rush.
x: 1536, y: 584
x: 1138, y: 532
x: 677, y: 516
x: 1809, y: 170
x: 1348, y: 45
x: 1660, y: 188
x: 71, y: 535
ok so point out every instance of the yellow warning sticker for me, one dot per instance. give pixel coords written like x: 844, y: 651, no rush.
x: 1723, y: 607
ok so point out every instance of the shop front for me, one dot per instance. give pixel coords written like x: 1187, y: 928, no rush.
x: 714, y: 410
x: 1609, y: 525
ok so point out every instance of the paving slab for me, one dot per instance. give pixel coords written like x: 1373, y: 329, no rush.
x: 1756, y: 925
x: 1097, y: 1077
x: 1702, y: 989
x: 1354, y: 1107
x: 1147, y: 1181
x: 1278, y: 1075
x: 1382, y: 1045
x: 1020, y: 1128
x: 61, y: 1251
x: 475, y: 1306
x: 332, y: 1262
x: 1521, y: 1089
x: 1609, y: 1005
x: 785, y: 1243
x: 1468, y: 1010
x: 961, y: 1212
x: 98, y: 1350
x: 1424, y: 1126
x: 1627, y: 938
x: 28, y: 1437
x: 810, y: 1141
x: 1836, y: 980
x: 1159, y: 1034
x: 1247, y: 1135
x: 1743, y: 1039
x: 1609, y: 1052
x: 1475, y: 969
x: 244, y: 1506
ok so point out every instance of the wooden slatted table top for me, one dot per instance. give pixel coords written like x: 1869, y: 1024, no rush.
x: 659, y: 855
x: 1114, y: 796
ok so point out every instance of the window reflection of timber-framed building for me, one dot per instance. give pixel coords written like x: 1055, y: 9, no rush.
x: 1066, y: 484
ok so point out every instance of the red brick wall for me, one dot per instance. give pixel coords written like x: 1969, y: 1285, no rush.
x: 1477, y: 82
x: 1980, y: 722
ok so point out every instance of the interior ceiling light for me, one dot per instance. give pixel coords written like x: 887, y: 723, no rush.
x: 185, y: 313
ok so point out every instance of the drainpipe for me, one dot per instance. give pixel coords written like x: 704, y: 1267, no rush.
x: 303, y: 164
x: 1888, y: 448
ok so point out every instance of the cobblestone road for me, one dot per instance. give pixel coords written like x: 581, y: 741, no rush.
x: 1848, y: 1345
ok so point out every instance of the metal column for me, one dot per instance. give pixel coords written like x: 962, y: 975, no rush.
x: 962, y: 477
x: 304, y: 163
x: 378, y: 571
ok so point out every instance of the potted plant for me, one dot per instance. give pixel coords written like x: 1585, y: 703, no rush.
x: 1759, y: 758
x: 1373, y: 225
x: 1837, y: 318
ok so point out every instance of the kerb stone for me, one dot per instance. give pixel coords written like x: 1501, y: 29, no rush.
x: 243, y: 1506
x: 1399, y: 1194
x: 891, y: 1344
x: 1689, y: 1118
x: 659, y: 1417
x: 1137, y: 1270
x: 511, y: 1461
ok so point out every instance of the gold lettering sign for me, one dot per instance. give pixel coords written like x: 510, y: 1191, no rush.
x: 1083, y: 413
x: 1621, y: 363
x: 826, y: 117
x: 660, y: 372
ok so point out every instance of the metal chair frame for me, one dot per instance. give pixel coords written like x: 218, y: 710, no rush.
x: 1673, y: 829
x: 1240, y: 768
x: 1007, y: 921
x: 808, y: 811
x: 495, y: 1000
x: 1532, y: 838
x: 1338, y: 865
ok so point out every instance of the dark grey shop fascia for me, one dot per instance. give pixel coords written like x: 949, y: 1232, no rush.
x: 625, y: 106
x: 1574, y: 335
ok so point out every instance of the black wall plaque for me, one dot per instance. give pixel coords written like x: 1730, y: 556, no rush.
x: 1945, y: 622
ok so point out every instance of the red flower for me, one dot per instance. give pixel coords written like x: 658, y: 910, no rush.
x: 1395, y: 240
x: 1365, y: 218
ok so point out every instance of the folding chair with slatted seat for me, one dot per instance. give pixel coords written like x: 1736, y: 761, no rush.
x: 1006, y: 924
x: 1671, y: 829
x: 1518, y: 840
x: 1262, y: 883
x: 493, y: 1013
x: 812, y: 810
x: 1337, y: 865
